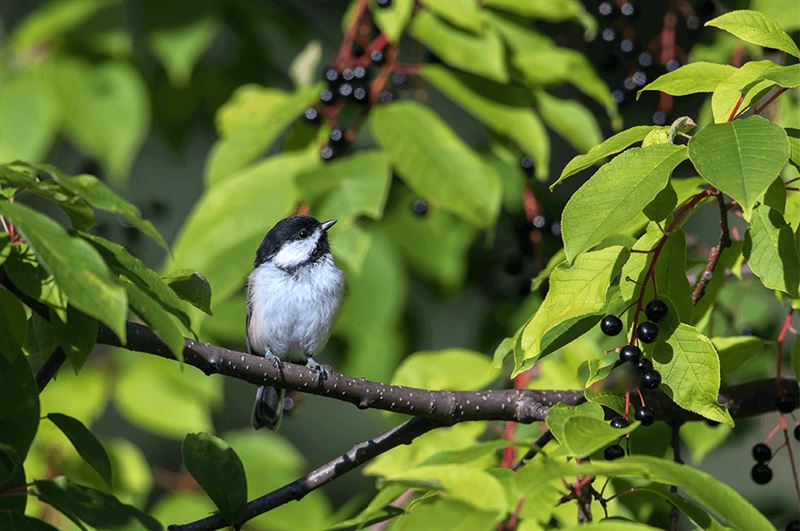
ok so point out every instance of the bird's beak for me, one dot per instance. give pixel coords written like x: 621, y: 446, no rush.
x: 328, y: 224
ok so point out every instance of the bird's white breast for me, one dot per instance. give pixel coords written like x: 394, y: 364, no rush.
x: 292, y: 312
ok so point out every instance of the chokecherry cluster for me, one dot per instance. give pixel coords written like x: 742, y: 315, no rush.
x: 615, y: 451
x: 761, y: 472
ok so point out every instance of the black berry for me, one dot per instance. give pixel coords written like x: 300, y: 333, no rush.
x: 399, y: 79
x: 628, y: 10
x: 762, y: 453
x: 359, y: 73
x: 419, y: 207
x: 761, y: 473
x: 630, y: 353
x: 656, y: 310
x: 311, y: 115
x: 386, y: 96
x: 360, y: 94
x: 611, y: 325
x: 377, y: 57
x: 345, y: 90
x: 527, y: 165
x: 357, y: 50
x: 645, y: 415
x: 327, y: 153
x: 327, y: 96
x: 786, y: 403
x: 647, y: 332
x: 605, y: 9
x: 797, y: 432
x: 644, y: 364
x: 659, y: 118
x: 793, y: 526
x: 619, y: 422
x: 609, y: 35
x: 651, y: 379
x: 347, y: 74
x: 332, y: 76
x: 383, y: 3
x: 614, y: 451
x: 337, y: 137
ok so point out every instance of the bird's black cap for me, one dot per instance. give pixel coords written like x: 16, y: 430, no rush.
x: 291, y: 229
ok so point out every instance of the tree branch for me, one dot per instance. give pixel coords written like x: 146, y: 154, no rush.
x: 296, y: 490
x: 50, y: 368
x: 716, y: 252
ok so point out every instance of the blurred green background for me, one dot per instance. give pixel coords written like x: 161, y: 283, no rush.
x: 130, y: 91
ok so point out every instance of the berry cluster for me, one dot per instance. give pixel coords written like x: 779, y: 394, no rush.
x: 761, y: 472
x: 615, y: 451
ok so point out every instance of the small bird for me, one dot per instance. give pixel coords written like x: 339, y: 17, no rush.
x: 293, y: 297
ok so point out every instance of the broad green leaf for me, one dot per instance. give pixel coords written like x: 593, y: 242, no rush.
x: 570, y: 119
x: 446, y: 369
x: 701, y: 439
x: 437, y: 513
x: 585, y: 435
x: 86, y: 444
x: 576, y: 298
x: 13, y: 326
x: 784, y: 76
x: 192, y: 287
x: 736, y: 350
x: 794, y: 144
x: 76, y: 335
x: 246, y: 143
x: 77, y: 267
x: 606, y: 148
x: 504, y: 109
x: 689, y: 367
x: 350, y: 244
x: 662, y: 206
x: 41, y: 341
x: 741, y: 158
x: 353, y: 186
x: 549, y: 11
x: 217, y: 469
x: 19, y: 413
x: 94, y: 508
x: 392, y: 20
x: 728, y: 91
x: 478, y: 54
x: 100, y: 196
x: 106, y: 110
x: 462, y: 13
x: 611, y: 524
x: 16, y: 521
x: 435, y: 163
x: 181, y: 506
x: 691, y: 79
x: 559, y: 414
x: 770, y: 251
x: 29, y: 115
x: 249, y: 105
x: 615, y: 194
x: 157, y: 318
x: 180, y: 42
x: 52, y: 21
x: 755, y: 27
x: 222, y: 233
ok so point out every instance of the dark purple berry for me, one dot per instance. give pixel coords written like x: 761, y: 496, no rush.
x: 377, y: 57
x: 611, y: 325
x: 399, y: 79
x: 651, y: 379
x: 613, y: 452
x: 619, y: 422
x: 526, y: 163
x: 357, y: 50
x: 628, y: 10
x: 797, y: 432
x: 336, y: 137
x: 762, y: 453
x: 644, y: 364
x: 630, y: 353
x: 383, y: 4
x: 656, y: 310
x: 345, y: 90
x: 761, y: 473
x: 647, y: 332
x: 605, y: 9
x: 659, y: 118
x: 420, y: 207
x: 359, y: 73
x: 327, y: 153
x: 311, y: 115
x: 786, y: 403
x: 360, y: 94
x: 645, y: 415
x: 347, y: 74
x: 609, y: 35
x: 539, y: 222
x: 386, y: 96
x: 327, y: 96
x: 794, y: 525
x: 332, y: 76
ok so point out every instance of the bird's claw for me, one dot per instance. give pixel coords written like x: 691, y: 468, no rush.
x: 318, y: 368
x: 275, y: 360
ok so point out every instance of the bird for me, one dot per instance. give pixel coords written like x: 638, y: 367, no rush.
x: 294, y: 295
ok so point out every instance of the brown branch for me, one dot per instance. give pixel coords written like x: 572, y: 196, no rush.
x: 50, y: 368
x: 716, y: 252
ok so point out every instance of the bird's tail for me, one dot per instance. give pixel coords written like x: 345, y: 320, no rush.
x: 268, y: 407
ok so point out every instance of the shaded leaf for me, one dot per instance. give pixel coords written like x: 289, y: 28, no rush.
x: 462, y: 13
x: 736, y: 350
x: 770, y: 251
x: 392, y: 19
x: 13, y: 326
x: 179, y: 44
x: 217, y: 469
x: 77, y: 335
x: 192, y: 287
x: 156, y: 317
x: 29, y: 115
x: 691, y: 79
x: 86, y: 444
x: 19, y: 413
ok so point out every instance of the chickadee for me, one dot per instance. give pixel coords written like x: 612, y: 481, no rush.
x: 293, y: 296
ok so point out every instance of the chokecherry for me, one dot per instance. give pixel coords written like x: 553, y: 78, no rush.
x: 311, y: 115
x: 645, y: 415
x: 337, y: 137
x: 644, y: 364
x: 419, y: 207
x: 619, y: 422
x: 526, y: 163
x: 762, y: 453
x: 794, y: 525
x: 327, y: 96
x: 614, y: 451
x: 611, y: 325
x: 327, y: 153
x: 360, y: 94
x: 797, y: 432
x: 383, y: 3
x: 651, y: 379
x: 761, y: 473
x: 331, y: 75
x: 647, y: 332
x: 345, y: 90
x: 630, y: 353
x: 786, y: 403
x: 377, y: 57
x: 656, y: 310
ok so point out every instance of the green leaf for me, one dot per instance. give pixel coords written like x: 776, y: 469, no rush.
x: 19, y: 522
x: 19, y: 413
x: 611, y: 524
x: 95, y: 508
x: 217, y: 469
x: 770, y: 251
x: 446, y: 369
x: 180, y: 37
x: 77, y: 267
x: 741, y: 158
x: 574, y: 302
x: 570, y: 119
x: 106, y: 110
x: 585, y: 435
x: 192, y: 287
x: 53, y: 21
x: 701, y: 439
x: 505, y: 109
x: 353, y: 186
x: 609, y: 146
x: 13, y: 326
x: 478, y: 54
x: 34, y: 281
x: 156, y: 317
x: 29, y: 115
x: 249, y: 105
x: 222, y: 233
x: 76, y: 335
x: 743, y: 84
x: 755, y: 27
x: 86, y: 444
x: 691, y: 79
x: 735, y: 351
x: 615, y: 194
x: 559, y: 414
x: 100, y: 196
x: 435, y: 163
x: 462, y: 13
x: 549, y: 11
x: 250, y: 140
x: 392, y: 20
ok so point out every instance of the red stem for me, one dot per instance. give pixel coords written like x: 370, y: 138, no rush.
x: 787, y: 324
x: 736, y: 108
x: 350, y: 35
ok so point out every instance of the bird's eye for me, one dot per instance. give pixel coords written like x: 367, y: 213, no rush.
x: 303, y: 233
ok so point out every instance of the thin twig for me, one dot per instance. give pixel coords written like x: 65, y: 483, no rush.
x: 716, y: 251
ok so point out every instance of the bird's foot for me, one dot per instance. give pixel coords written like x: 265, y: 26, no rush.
x: 319, y: 369
x: 275, y: 360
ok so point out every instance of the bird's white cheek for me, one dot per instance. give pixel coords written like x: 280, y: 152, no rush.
x: 295, y: 253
